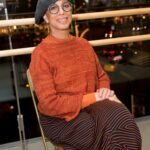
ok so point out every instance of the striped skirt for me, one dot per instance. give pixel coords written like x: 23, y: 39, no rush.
x: 105, y: 125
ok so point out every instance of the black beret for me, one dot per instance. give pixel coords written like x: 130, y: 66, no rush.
x: 41, y: 8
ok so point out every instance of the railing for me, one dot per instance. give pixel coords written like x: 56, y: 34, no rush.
x: 25, y: 51
x: 85, y: 16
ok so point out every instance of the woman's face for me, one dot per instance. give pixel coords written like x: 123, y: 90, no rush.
x: 59, y: 15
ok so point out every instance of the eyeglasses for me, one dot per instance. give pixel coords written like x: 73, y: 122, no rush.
x: 54, y: 8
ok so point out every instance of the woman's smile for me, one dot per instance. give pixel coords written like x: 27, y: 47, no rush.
x: 62, y: 20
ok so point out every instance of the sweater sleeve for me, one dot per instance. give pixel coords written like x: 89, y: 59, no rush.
x: 88, y: 99
x: 103, y: 82
x: 52, y: 103
x: 103, y: 79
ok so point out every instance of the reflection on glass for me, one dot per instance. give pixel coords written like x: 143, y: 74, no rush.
x: 128, y: 64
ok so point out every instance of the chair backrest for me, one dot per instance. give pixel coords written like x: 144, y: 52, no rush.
x: 35, y: 107
x: 31, y: 86
x: 30, y: 80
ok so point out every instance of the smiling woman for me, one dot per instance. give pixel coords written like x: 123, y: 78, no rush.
x: 78, y: 110
x: 58, y: 15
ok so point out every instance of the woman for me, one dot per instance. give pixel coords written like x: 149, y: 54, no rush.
x: 78, y: 110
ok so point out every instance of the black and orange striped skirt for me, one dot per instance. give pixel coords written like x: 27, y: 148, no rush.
x: 105, y: 125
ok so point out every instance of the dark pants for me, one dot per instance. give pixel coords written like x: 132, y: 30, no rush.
x: 105, y: 125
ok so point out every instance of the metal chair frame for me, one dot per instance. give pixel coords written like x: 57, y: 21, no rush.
x: 29, y: 78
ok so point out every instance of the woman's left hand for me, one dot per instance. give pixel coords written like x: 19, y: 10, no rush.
x: 105, y: 93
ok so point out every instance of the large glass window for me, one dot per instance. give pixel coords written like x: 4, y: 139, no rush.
x: 127, y: 64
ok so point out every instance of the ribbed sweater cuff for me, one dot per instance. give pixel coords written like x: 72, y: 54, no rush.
x: 88, y: 99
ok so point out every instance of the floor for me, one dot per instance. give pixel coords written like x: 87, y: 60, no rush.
x: 144, y: 126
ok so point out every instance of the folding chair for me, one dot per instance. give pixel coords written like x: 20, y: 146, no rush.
x: 57, y: 147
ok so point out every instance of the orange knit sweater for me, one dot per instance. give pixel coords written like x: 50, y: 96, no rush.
x: 65, y: 74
